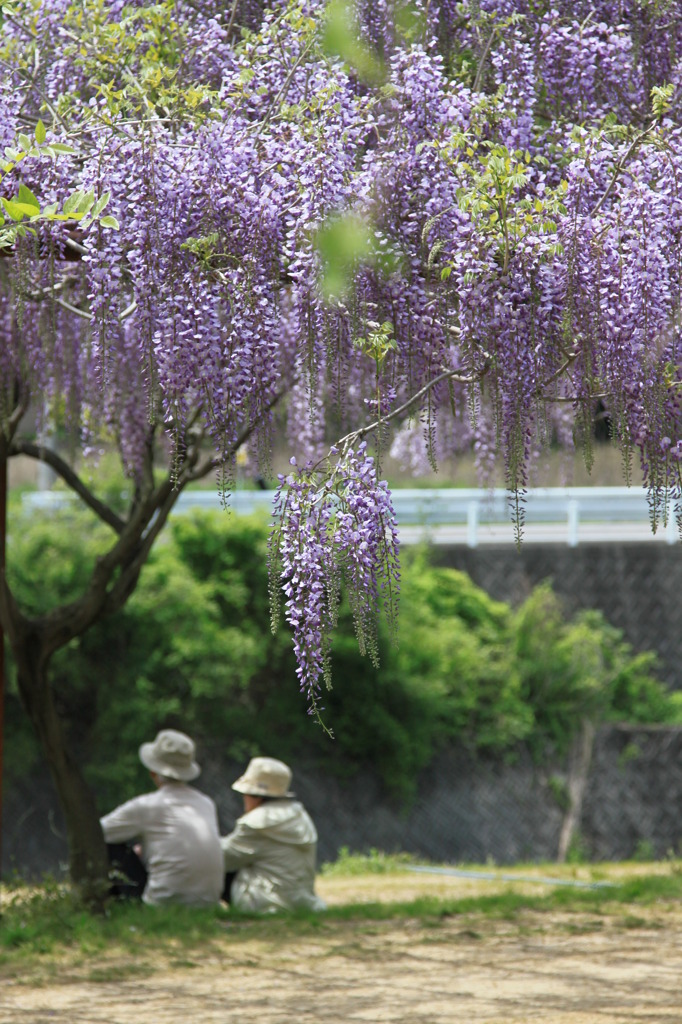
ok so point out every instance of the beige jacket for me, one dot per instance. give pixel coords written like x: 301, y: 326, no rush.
x: 273, y: 850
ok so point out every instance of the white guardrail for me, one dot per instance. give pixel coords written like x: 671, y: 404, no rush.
x: 552, y: 514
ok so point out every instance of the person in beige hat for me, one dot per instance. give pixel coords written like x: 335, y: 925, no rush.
x: 270, y: 856
x: 179, y: 859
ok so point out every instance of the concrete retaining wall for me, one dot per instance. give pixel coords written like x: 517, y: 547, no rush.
x: 638, y: 587
x: 467, y: 810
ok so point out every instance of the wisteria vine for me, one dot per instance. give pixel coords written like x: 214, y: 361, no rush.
x: 458, y: 220
x: 332, y: 529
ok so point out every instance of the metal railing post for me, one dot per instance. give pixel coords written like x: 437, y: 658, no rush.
x: 472, y: 524
x: 573, y: 518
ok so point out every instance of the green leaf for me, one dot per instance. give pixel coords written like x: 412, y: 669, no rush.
x: 17, y: 211
x: 72, y: 203
x: 26, y: 196
x: 87, y: 202
x: 60, y: 147
x: 101, y: 204
x: 40, y: 132
x: 25, y: 142
x: 342, y: 243
x: 341, y: 38
x: 410, y: 21
x: 109, y: 222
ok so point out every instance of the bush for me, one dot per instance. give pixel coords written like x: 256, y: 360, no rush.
x: 193, y: 649
x: 572, y: 670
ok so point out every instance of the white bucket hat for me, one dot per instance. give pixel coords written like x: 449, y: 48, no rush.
x: 265, y: 776
x: 171, y: 755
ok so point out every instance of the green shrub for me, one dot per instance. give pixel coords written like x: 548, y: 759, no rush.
x: 581, y: 668
x: 376, y: 862
x: 454, y: 640
x: 193, y: 649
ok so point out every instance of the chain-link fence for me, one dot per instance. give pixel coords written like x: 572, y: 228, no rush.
x: 475, y: 810
x: 467, y: 810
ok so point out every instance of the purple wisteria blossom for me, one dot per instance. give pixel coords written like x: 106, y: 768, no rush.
x: 333, y: 530
x: 510, y: 178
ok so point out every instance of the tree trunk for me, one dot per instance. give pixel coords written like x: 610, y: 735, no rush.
x: 113, y: 579
x: 33, y: 643
x: 88, y: 864
x: 580, y: 759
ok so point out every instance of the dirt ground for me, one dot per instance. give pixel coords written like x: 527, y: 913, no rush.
x: 568, y: 968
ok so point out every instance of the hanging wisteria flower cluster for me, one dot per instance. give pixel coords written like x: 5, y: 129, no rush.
x: 457, y: 221
x: 331, y: 529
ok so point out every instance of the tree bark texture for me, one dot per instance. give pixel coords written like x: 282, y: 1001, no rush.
x: 580, y: 760
x: 33, y: 641
x: 87, y: 852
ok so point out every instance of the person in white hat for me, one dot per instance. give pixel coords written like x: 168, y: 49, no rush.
x: 270, y: 856
x: 180, y: 859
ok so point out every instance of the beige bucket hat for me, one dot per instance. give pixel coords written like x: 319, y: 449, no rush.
x: 171, y: 755
x: 265, y: 776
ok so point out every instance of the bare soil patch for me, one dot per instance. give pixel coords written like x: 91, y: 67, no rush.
x: 558, y: 968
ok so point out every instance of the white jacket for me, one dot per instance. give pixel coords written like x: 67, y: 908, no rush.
x: 273, y: 850
x: 178, y: 827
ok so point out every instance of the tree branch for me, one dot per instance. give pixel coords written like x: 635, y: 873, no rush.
x: 126, y: 581
x: 217, y: 461
x: 72, y: 309
x: 71, y: 479
x: 21, y: 407
x: 233, y: 14
x: 449, y: 375
x: 284, y: 88
x: 83, y: 313
x: 482, y: 59
x: 558, y: 373
x: 117, y: 571
x: 619, y: 167
x: 12, y: 621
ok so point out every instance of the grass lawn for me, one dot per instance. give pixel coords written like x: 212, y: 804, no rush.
x: 43, y: 924
x: 395, y: 945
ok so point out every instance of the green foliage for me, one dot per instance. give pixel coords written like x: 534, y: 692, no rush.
x: 661, y: 100
x: 342, y: 39
x: 376, y: 862
x: 41, y: 919
x: 379, y: 342
x: 493, y: 192
x: 581, y: 668
x: 64, y: 565
x: 644, y: 851
x: 456, y: 648
x: 344, y: 243
x: 577, y: 852
x: 20, y: 213
x: 193, y: 649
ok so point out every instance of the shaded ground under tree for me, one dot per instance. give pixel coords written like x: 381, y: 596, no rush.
x: 569, y: 967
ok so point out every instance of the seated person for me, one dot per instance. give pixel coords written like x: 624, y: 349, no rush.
x: 270, y: 856
x: 177, y: 826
